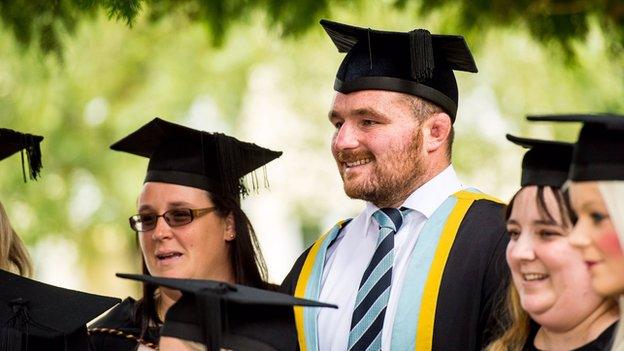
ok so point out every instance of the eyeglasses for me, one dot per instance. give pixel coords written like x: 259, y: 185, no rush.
x: 174, y: 218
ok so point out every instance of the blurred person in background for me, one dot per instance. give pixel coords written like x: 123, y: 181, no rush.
x: 35, y: 315
x: 551, y: 300
x: 189, y: 223
x: 13, y: 255
x: 423, y: 265
x: 597, y: 193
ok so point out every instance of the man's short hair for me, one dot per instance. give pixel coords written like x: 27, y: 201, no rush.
x: 422, y: 109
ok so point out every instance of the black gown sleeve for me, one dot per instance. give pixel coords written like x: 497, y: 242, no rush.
x: 474, y: 281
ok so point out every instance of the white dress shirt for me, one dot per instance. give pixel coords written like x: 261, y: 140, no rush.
x: 348, y: 257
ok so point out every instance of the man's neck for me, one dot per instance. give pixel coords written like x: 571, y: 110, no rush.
x: 430, y: 173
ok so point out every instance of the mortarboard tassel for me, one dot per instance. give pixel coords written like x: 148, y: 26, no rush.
x: 33, y: 156
x: 230, y: 162
x: 11, y: 333
x: 209, y: 304
x: 421, y: 49
x: 17, y: 328
x: 10, y: 339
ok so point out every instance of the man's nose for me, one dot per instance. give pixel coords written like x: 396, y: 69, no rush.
x: 346, y: 137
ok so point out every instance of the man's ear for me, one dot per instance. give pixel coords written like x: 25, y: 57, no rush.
x: 436, y: 131
x: 229, y: 233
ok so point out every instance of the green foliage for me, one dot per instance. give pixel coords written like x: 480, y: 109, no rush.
x: 561, y: 21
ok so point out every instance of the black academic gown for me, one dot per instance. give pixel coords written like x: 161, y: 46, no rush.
x: 117, y: 330
x: 473, y: 283
x: 602, y: 342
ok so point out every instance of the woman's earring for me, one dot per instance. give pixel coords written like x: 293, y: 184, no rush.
x: 231, y: 236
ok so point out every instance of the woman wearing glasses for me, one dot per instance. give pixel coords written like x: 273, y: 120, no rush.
x: 189, y: 223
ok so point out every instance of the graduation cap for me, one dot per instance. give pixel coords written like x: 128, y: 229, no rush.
x: 12, y: 142
x: 180, y: 155
x: 599, y: 151
x: 38, y: 316
x: 546, y: 163
x: 231, y: 316
x: 416, y: 62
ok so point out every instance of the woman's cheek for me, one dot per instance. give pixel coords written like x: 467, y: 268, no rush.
x: 609, y: 243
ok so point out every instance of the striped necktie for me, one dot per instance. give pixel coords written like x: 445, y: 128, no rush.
x: 372, y: 297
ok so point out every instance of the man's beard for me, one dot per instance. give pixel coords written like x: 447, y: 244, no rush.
x: 391, y: 182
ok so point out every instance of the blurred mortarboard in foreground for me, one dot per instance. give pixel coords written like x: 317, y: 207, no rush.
x: 599, y: 151
x: 546, y: 163
x: 12, y: 142
x: 230, y: 316
x: 38, y: 316
x: 417, y: 62
x: 180, y: 155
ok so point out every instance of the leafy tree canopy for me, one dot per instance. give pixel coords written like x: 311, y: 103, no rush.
x: 562, y: 21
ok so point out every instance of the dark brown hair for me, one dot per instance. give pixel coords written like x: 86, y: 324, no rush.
x: 246, y: 260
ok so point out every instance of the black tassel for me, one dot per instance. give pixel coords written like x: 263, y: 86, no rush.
x: 33, y: 155
x: 229, y: 161
x: 12, y: 332
x: 16, y: 330
x: 10, y: 339
x: 209, y: 305
x: 421, y: 50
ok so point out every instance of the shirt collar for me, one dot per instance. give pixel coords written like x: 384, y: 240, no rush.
x: 433, y: 193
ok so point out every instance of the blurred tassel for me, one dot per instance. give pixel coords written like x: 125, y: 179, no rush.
x: 33, y: 156
x: 12, y: 332
x: 421, y: 50
x: 10, y: 339
x: 229, y: 163
x: 210, y: 318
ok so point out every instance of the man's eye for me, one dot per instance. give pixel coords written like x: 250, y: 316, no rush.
x: 337, y: 125
x: 368, y: 122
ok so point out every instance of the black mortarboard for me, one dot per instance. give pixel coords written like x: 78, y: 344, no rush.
x: 180, y: 155
x: 546, y: 163
x: 417, y: 62
x: 38, y: 316
x: 12, y: 142
x: 599, y: 151
x: 231, y: 316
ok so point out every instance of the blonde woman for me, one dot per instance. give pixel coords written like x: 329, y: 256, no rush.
x: 597, y: 191
x: 13, y: 255
x: 551, y: 300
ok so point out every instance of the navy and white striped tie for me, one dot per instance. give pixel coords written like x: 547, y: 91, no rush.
x: 372, y: 297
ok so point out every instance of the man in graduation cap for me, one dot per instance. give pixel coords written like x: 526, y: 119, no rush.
x: 422, y: 266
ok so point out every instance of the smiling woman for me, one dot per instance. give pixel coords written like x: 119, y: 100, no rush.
x: 597, y: 190
x: 189, y: 223
x: 551, y: 300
